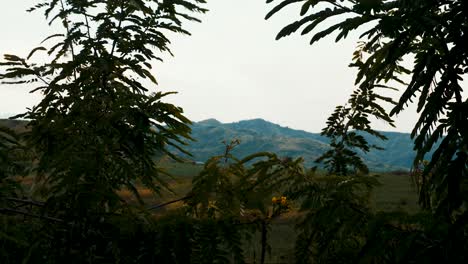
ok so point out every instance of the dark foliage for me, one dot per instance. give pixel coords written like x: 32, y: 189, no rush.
x: 97, y: 128
x: 343, y: 127
x: 433, y: 34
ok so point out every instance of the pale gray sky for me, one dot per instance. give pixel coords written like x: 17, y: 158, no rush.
x: 231, y: 68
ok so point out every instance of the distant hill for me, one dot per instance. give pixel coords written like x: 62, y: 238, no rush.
x: 260, y: 135
x: 17, y: 125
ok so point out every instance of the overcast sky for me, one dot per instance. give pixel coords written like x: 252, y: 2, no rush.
x: 231, y: 68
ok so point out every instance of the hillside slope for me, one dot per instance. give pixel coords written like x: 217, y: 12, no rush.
x: 260, y: 135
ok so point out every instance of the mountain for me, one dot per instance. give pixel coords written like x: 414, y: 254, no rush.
x: 260, y: 135
x: 255, y: 136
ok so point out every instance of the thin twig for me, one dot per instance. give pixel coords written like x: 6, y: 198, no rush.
x: 67, y: 27
x: 9, y: 210
x: 154, y: 207
x: 30, y: 202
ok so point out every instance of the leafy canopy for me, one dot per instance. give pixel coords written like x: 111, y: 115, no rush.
x: 432, y: 35
x: 98, y: 128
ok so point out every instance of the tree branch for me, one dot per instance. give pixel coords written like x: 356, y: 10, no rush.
x: 24, y: 202
x: 68, y: 35
x: 154, y: 207
x: 9, y: 210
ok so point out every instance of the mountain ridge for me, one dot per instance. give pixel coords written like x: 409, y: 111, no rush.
x: 258, y: 135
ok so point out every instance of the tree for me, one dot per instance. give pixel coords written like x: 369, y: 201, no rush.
x: 12, y: 164
x: 97, y: 127
x: 343, y: 127
x: 433, y: 35
x: 236, y: 198
x: 9, y: 165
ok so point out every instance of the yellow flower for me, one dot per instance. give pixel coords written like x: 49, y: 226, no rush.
x: 274, y: 199
x: 283, y: 200
x: 211, y: 205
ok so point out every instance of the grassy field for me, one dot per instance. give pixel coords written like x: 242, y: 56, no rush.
x: 395, y: 192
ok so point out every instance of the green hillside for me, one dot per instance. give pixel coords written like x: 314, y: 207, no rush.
x: 260, y: 135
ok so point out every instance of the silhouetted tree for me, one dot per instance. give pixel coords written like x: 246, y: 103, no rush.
x: 97, y: 127
x: 433, y: 34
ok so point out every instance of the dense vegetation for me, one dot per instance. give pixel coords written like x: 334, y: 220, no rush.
x: 433, y: 35
x: 97, y: 133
